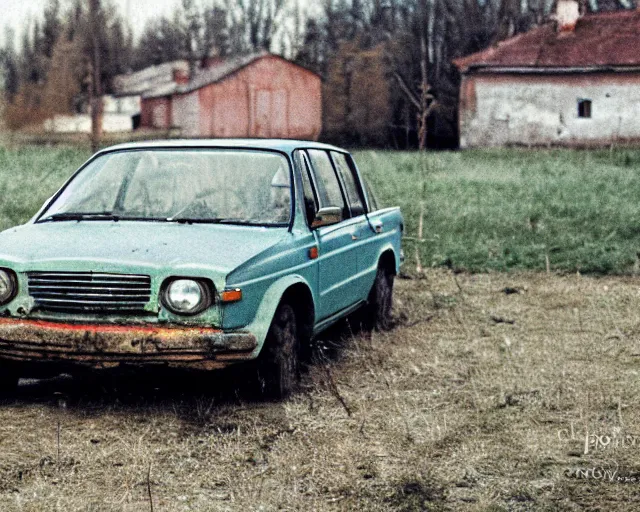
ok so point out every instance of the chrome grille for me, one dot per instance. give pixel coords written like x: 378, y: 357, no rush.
x: 89, y: 292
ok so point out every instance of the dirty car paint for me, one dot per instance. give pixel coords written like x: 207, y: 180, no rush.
x: 102, y: 344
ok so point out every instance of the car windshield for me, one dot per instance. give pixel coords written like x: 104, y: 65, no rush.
x: 218, y: 185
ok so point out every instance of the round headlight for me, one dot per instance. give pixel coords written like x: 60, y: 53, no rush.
x: 8, y: 286
x: 187, y: 297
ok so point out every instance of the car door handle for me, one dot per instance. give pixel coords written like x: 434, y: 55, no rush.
x: 354, y: 236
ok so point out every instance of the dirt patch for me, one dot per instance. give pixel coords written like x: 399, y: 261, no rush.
x: 451, y: 410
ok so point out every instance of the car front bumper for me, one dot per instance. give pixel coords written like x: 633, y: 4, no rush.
x: 108, y: 346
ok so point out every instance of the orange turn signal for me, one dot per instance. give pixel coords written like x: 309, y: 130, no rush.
x: 313, y: 253
x: 231, y: 295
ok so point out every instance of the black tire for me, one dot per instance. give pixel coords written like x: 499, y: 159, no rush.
x: 279, y: 361
x: 380, y: 302
x: 8, y: 380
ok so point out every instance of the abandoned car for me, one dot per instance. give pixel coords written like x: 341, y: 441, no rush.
x: 196, y: 254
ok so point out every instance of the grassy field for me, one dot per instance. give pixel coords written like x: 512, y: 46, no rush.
x: 30, y: 175
x: 513, y: 209
x: 483, y: 210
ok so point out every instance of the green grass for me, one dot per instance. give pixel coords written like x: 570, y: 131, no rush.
x: 29, y: 176
x: 483, y: 209
x: 509, y: 209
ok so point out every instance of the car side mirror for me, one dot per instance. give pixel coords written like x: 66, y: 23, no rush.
x: 327, y: 216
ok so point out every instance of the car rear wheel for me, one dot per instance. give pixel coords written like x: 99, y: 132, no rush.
x: 381, y: 301
x: 279, y: 361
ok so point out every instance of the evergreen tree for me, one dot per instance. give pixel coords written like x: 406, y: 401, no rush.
x: 311, y: 54
x: 216, y: 33
x: 191, y: 28
x: 9, y: 64
x: 51, y: 28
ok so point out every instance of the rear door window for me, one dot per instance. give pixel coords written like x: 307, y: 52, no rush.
x: 348, y: 176
x: 373, y: 201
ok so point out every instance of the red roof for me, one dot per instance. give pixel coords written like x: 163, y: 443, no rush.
x: 604, y: 39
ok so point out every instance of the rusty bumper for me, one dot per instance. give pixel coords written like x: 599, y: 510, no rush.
x: 108, y: 346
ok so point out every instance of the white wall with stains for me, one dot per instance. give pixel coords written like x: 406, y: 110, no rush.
x: 499, y: 110
x: 81, y: 123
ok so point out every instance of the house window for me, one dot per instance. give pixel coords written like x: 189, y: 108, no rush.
x: 584, y: 108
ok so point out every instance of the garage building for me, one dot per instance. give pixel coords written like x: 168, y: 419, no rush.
x: 257, y: 95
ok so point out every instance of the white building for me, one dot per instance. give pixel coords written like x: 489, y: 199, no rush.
x: 118, y: 116
x: 574, y: 81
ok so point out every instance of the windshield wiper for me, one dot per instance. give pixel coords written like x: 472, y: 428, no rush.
x: 228, y: 220
x: 98, y: 216
x: 81, y: 216
x: 190, y: 220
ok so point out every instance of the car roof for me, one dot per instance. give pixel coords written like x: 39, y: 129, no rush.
x: 283, y: 145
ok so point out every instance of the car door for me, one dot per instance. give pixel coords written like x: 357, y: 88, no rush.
x: 364, y: 239
x: 337, y: 261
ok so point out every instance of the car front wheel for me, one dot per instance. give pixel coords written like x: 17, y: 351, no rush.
x: 279, y: 361
x: 8, y: 380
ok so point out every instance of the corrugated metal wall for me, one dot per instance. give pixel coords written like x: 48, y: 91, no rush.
x: 156, y: 113
x: 270, y: 97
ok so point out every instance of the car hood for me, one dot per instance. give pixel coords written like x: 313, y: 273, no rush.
x: 127, y: 246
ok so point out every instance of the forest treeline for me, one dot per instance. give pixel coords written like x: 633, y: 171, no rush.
x: 386, y: 64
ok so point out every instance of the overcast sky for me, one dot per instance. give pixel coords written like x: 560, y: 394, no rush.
x: 20, y: 13
x: 17, y: 13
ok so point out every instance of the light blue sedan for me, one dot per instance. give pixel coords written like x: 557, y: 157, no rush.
x: 196, y: 254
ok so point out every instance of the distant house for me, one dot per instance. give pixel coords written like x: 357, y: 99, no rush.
x: 257, y: 95
x: 574, y: 81
x: 119, y: 115
x: 135, y: 84
x: 130, y: 87
x: 121, y: 111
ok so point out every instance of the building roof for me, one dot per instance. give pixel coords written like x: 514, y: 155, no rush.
x: 211, y: 74
x: 206, y: 76
x: 600, y: 41
x: 152, y: 77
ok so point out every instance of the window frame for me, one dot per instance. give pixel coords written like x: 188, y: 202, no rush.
x: 364, y: 186
x: 41, y: 213
x: 304, y: 163
x: 585, y: 108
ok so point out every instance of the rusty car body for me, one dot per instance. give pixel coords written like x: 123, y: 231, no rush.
x: 196, y: 254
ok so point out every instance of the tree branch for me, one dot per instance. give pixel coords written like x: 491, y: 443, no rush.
x: 405, y: 88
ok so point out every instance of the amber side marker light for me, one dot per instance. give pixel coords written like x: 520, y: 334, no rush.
x: 231, y: 295
x: 313, y: 253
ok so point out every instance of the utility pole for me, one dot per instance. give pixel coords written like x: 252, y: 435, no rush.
x: 95, y: 91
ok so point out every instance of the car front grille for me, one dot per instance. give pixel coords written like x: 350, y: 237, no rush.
x: 89, y: 292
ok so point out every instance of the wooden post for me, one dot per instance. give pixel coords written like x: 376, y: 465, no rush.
x: 96, y: 78
x: 423, y: 194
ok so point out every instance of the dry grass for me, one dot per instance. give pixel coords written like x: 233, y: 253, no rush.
x: 468, y: 404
